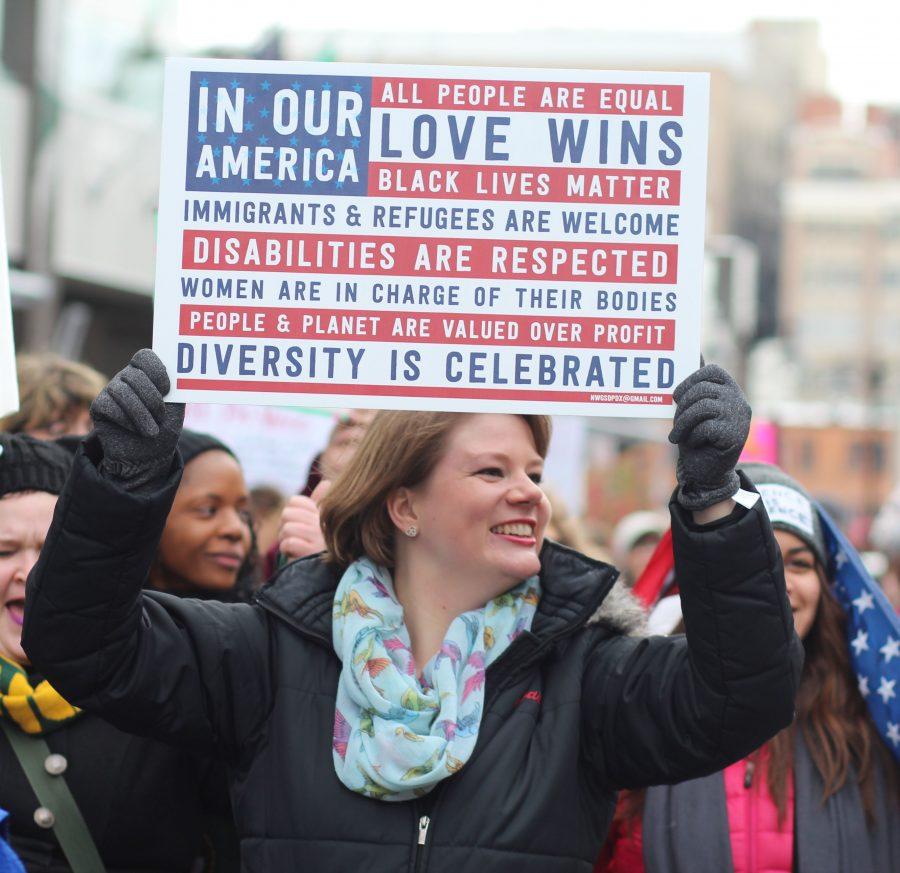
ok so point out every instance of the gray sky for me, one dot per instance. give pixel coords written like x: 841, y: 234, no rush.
x: 860, y: 38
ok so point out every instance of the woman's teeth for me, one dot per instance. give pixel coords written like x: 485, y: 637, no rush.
x: 513, y: 530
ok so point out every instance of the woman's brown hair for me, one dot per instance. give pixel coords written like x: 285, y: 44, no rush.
x: 51, y: 390
x: 833, y: 716
x: 400, y: 449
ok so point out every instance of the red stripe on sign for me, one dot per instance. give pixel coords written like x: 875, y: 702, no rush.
x: 549, y: 184
x: 652, y: 264
x: 397, y: 326
x: 594, y: 98
x: 537, y: 395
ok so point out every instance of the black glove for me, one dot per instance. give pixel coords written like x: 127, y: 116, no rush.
x: 711, y: 424
x: 136, y: 427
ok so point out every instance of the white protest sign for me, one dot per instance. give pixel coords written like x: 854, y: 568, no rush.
x: 430, y: 237
x: 9, y: 387
x: 275, y: 446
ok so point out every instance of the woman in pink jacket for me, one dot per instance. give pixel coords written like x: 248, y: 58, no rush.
x: 822, y: 795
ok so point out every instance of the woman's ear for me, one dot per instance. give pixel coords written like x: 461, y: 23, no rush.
x: 401, y: 508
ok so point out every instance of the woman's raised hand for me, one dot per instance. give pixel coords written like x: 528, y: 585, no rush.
x: 137, y: 429
x: 711, y: 424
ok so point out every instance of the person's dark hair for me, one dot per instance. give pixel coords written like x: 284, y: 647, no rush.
x: 190, y: 445
x: 833, y: 716
x: 838, y: 730
x: 400, y: 449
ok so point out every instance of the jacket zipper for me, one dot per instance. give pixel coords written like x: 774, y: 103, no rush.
x: 421, y: 839
x: 751, y: 818
x: 423, y: 822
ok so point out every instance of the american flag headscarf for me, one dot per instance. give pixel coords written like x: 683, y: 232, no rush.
x: 873, y: 627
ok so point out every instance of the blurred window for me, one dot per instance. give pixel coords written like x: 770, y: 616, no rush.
x: 867, y: 456
x: 842, y: 381
x: 890, y: 277
x: 115, y: 50
x: 806, y: 455
x: 832, y: 275
x: 835, y: 171
x: 856, y: 456
x: 886, y: 329
x: 840, y: 329
x: 831, y: 230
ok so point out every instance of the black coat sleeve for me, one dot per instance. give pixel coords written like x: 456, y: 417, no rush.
x: 190, y: 672
x: 664, y: 709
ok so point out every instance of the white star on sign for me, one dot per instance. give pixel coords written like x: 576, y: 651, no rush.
x: 840, y: 559
x: 886, y: 689
x: 864, y: 602
x: 893, y: 732
x: 891, y: 649
x: 861, y: 642
x: 863, y: 685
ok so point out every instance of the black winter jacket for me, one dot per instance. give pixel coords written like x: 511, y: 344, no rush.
x: 574, y: 709
x: 142, y: 800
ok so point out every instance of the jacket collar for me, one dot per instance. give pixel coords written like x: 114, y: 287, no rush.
x: 572, y: 588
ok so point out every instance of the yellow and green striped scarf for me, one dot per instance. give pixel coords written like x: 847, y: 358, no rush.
x: 35, y: 710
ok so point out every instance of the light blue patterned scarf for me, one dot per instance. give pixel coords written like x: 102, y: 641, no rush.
x: 396, y: 735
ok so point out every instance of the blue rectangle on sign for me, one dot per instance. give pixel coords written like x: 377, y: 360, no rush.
x: 276, y: 134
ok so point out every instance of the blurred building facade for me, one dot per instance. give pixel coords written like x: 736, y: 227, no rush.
x: 80, y: 98
x: 840, y: 299
x: 759, y: 78
x: 81, y: 86
x: 848, y: 466
x: 814, y: 259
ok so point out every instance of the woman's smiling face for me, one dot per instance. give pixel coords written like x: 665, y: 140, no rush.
x: 482, y: 513
x: 804, y: 588
x: 24, y: 521
x: 207, y: 534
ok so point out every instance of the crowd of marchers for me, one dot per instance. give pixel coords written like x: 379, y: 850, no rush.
x: 420, y: 661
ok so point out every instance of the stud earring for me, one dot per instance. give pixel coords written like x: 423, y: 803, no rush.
x: 412, y: 531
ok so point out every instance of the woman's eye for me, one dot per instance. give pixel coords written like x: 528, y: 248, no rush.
x: 490, y: 471
x: 537, y: 478
x: 206, y: 511
x: 7, y: 553
x: 800, y: 566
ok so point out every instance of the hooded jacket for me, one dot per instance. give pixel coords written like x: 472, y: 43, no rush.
x: 574, y: 709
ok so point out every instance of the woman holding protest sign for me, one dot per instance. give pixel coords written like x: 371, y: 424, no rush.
x: 443, y: 690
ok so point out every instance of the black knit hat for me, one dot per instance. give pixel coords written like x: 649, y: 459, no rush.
x: 789, y: 506
x: 28, y: 464
x: 191, y: 443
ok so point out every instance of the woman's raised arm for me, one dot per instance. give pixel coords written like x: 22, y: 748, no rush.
x: 661, y: 710
x: 190, y: 672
